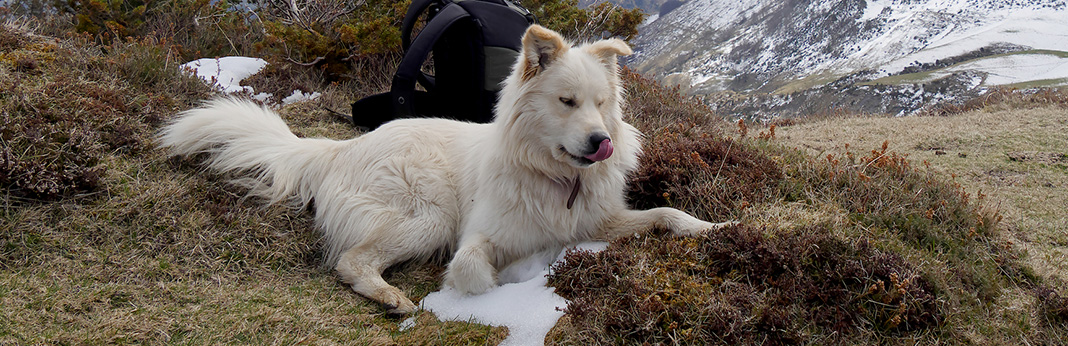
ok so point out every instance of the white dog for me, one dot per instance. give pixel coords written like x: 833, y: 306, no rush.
x: 549, y: 171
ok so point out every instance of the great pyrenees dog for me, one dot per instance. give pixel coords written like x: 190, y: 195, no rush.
x: 551, y: 170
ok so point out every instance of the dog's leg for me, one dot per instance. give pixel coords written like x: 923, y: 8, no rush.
x: 629, y: 222
x: 362, y: 266
x: 471, y: 270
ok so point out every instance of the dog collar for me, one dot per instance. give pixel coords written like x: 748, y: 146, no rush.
x: 574, y: 192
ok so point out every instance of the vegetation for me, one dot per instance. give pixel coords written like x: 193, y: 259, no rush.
x: 106, y: 239
x: 600, y: 20
x: 883, y: 252
x: 743, y: 286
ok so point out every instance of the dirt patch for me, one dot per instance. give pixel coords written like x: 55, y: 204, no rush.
x: 1048, y: 158
x: 1004, y: 177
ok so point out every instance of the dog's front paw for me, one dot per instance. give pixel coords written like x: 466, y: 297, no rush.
x: 470, y: 274
x: 470, y: 282
x: 700, y: 227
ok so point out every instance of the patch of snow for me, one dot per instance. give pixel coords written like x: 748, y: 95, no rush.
x: 651, y: 18
x: 523, y: 302
x: 1017, y: 68
x: 300, y: 96
x: 262, y: 97
x: 408, y: 323
x: 227, y: 72
x: 874, y: 8
x: 1038, y: 29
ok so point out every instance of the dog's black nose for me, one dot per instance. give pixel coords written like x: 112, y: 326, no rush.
x: 595, y: 141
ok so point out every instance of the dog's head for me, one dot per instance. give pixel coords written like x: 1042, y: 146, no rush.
x: 569, y: 97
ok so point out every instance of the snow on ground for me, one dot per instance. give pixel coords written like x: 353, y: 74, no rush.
x: 226, y: 73
x: 299, y: 96
x: 522, y: 303
x: 919, y: 32
x: 1036, y: 29
x: 1017, y: 68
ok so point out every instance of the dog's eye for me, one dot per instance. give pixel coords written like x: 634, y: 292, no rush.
x: 567, y: 101
x: 600, y: 103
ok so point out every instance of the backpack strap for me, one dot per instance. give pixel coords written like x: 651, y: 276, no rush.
x: 403, y: 89
x: 415, y: 9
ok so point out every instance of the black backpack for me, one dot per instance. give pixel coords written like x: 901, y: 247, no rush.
x: 475, y: 43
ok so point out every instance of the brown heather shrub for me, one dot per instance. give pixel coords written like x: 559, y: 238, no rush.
x: 10, y: 40
x: 653, y: 108
x: 60, y: 119
x: 710, y: 176
x: 883, y: 193
x: 741, y: 285
x: 687, y: 163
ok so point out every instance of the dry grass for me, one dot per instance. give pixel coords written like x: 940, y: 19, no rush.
x: 987, y: 151
x: 1007, y: 151
x: 156, y: 251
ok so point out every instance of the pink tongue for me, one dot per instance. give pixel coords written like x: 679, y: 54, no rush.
x: 603, y: 152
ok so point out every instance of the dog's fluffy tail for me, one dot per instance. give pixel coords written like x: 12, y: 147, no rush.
x: 242, y: 137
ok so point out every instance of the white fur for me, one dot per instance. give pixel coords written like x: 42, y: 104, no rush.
x: 488, y: 194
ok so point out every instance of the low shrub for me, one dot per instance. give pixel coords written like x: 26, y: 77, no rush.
x: 687, y: 163
x: 600, y: 20
x: 712, y: 177
x: 65, y: 106
x: 741, y: 285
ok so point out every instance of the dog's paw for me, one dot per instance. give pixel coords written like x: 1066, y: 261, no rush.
x: 471, y: 283
x: 394, y: 301
x: 702, y: 227
x: 470, y: 278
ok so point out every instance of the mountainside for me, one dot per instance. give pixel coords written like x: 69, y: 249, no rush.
x: 923, y: 51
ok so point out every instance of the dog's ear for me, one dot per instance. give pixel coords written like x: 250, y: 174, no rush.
x: 541, y: 47
x: 608, y: 50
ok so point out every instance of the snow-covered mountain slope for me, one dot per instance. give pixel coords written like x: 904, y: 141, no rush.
x: 793, y: 45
